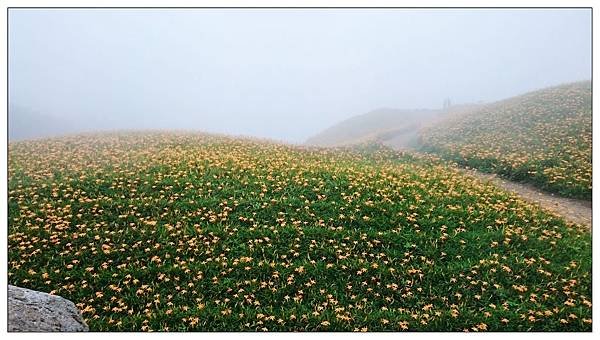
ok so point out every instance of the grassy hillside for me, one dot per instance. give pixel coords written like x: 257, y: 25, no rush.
x: 544, y: 137
x: 372, y: 125
x: 165, y: 231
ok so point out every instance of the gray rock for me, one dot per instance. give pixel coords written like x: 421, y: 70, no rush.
x: 33, y: 311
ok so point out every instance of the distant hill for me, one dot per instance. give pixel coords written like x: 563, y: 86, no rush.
x: 375, y: 125
x: 544, y: 137
x: 394, y: 127
x: 26, y: 123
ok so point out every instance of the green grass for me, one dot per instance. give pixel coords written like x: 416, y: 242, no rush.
x: 190, y: 232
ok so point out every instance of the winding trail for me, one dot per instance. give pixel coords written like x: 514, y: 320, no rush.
x: 572, y: 210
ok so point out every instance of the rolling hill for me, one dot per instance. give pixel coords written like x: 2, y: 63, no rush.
x: 543, y: 137
x: 181, y: 231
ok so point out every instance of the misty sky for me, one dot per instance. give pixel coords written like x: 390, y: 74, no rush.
x: 281, y: 74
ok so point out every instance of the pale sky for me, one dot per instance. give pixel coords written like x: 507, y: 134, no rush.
x: 281, y: 74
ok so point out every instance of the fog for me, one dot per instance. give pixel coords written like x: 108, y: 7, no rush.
x: 279, y: 74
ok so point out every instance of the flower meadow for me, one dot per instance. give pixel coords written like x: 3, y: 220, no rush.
x: 174, y: 231
x: 543, y: 137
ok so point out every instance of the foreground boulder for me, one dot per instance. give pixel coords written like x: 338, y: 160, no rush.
x: 33, y: 311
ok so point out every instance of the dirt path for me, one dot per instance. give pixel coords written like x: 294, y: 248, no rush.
x: 573, y: 210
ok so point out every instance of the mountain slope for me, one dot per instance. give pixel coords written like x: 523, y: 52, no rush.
x: 544, y: 137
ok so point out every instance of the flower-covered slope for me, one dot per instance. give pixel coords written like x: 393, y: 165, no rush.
x: 166, y: 231
x: 543, y: 137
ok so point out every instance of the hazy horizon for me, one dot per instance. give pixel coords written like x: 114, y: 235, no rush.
x: 276, y: 74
